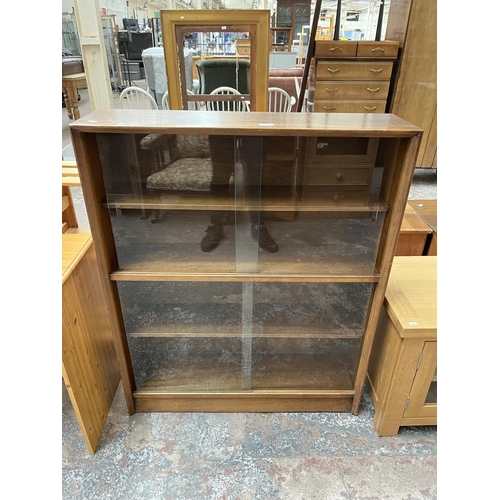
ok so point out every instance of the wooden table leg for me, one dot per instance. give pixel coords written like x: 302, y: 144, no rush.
x: 73, y: 96
x: 67, y: 103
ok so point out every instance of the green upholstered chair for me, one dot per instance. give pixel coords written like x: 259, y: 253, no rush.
x: 216, y: 73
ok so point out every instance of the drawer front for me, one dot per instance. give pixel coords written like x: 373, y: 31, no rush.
x: 328, y: 176
x: 335, y: 49
x: 351, y: 70
x: 332, y: 106
x: 378, y: 49
x: 351, y: 90
x: 336, y: 196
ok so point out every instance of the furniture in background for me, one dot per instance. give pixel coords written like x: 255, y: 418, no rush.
x: 238, y: 328
x: 402, y: 374
x: 413, y: 235
x: 131, y: 46
x: 165, y: 103
x: 70, y: 84
x: 286, y: 79
x: 137, y: 98
x: 177, y: 25
x: 279, y: 100
x: 69, y: 219
x: 230, y: 100
x: 293, y: 13
x: 156, y: 73
x: 427, y: 211
x: 351, y: 77
x: 215, y: 73
x: 70, y: 177
x: 281, y: 38
x: 413, y: 23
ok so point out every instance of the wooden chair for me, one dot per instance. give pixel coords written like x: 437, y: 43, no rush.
x: 137, y: 98
x: 230, y: 104
x: 279, y: 100
x: 165, y: 103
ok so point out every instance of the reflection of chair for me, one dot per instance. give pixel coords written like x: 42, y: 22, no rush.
x: 187, y: 170
x: 137, y: 98
x: 216, y: 73
x: 227, y: 105
x: 279, y: 100
x: 165, y: 103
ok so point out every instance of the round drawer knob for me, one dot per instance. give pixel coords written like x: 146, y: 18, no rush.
x: 335, y: 197
x: 339, y: 176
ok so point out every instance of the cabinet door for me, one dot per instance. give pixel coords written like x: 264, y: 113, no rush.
x: 423, y: 394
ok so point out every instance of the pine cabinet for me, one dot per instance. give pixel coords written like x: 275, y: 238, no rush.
x: 240, y: 327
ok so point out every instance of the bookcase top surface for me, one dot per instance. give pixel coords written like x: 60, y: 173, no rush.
x: 250, y: 123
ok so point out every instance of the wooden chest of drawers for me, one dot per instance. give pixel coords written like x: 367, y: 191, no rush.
x: 351, y: 77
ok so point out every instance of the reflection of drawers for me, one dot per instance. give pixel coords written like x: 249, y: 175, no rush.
x: 342, y: 150
x: 336, y: 196
x: 348, y: 81
x: 339, y: 169
x: 322, y: 175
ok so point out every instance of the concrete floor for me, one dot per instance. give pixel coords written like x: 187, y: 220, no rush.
x: 246, y: 456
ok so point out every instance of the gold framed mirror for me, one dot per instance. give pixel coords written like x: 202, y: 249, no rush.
x: 252, y: 25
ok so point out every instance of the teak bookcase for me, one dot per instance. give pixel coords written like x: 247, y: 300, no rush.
x: 238, y: 328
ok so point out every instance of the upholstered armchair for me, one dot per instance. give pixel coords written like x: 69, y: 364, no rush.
x: 187, y: 167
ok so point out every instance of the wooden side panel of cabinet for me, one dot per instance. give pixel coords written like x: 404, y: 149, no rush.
x: 89, y: 363
x: 415, y: 95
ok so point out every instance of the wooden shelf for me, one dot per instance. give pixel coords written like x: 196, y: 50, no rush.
x: 291, y: 372
x: 202, y: 331
x: 203, y: 202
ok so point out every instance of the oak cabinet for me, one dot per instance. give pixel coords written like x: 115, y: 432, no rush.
x: 241, y: 328
x: 402, y: 374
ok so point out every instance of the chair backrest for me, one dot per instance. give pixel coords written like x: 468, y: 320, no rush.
x: 279, y: 100
x: 165, y: 103
x: 216, y: 73
x: 227, y: 105
x: 137, y: 98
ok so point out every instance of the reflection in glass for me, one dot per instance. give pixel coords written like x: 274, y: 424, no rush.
x: 225, y: 204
